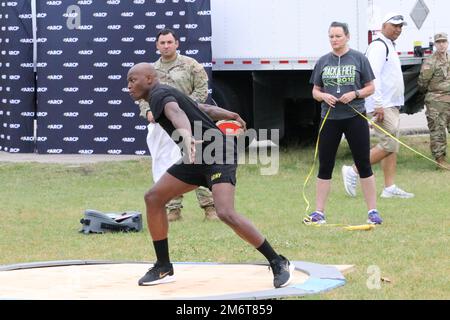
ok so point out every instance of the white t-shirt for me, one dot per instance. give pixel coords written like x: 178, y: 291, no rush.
x: 163, y: 150
x: 389, y: 85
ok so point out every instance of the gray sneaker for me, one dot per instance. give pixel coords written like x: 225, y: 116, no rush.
x: 282, y: 271
x: 350, y: 180
x: 396, y: 192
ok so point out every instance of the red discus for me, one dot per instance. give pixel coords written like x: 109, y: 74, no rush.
x: 230, y: 127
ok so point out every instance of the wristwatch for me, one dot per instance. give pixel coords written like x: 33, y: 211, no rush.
x: 357, y: 94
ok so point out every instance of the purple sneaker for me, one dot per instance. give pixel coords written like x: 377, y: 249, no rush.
x: 315, y: 218
x: 374, y: 217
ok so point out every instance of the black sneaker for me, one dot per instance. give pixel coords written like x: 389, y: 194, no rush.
x: 282, y: 271
x: 157, y: 275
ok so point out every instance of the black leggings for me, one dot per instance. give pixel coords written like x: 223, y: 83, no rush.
x: 356, y: 132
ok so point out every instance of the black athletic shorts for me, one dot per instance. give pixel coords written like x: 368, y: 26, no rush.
x: 205, y: 175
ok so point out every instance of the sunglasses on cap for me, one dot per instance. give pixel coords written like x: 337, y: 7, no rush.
x: 399, y: 17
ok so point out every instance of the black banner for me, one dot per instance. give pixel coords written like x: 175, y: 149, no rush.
x: 85, y: 50
x: 17, y: 78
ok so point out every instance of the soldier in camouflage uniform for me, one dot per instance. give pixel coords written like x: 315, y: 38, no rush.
x: 188, y: 76
x: 434, y: 80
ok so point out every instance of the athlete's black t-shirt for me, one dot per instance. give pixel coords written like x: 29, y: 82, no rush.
x: 203, y: 127
x: 163, y: 94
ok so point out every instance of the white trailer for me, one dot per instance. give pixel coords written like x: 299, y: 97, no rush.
x: 264, y: 52
x: 424, y: 17
x: 279, y: 34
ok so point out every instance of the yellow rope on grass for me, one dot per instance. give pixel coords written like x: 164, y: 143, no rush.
x: 395, y: 138
x: 308, y: 205
x: 307, y: 219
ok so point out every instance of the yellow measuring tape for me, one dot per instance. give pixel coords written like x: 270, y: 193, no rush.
x: 307, y: 219
x: 308, y: 205
x: 396, y: 139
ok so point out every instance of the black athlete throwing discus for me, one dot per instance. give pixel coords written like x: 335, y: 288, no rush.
x: 208, y: 160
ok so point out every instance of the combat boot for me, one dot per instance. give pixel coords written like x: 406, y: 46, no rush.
x: 443, y: 165
x: 210, y: 213
x: 174, y: 214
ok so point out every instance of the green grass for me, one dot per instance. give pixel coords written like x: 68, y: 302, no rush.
x: 41, y: 205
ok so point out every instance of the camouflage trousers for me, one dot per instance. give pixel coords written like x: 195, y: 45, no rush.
x: 438, y: 117
x: 204, y: 197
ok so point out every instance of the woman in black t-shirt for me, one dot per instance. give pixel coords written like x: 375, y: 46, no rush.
x: 342, y: 78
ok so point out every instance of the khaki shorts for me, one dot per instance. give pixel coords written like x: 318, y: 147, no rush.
x: 391, y: 124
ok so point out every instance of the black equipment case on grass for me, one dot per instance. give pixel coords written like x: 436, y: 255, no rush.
x: 98, y: 222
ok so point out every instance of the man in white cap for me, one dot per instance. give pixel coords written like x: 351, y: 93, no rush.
x: 384, y: 105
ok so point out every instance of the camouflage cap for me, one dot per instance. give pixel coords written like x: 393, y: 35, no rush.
x: 440, y: 36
